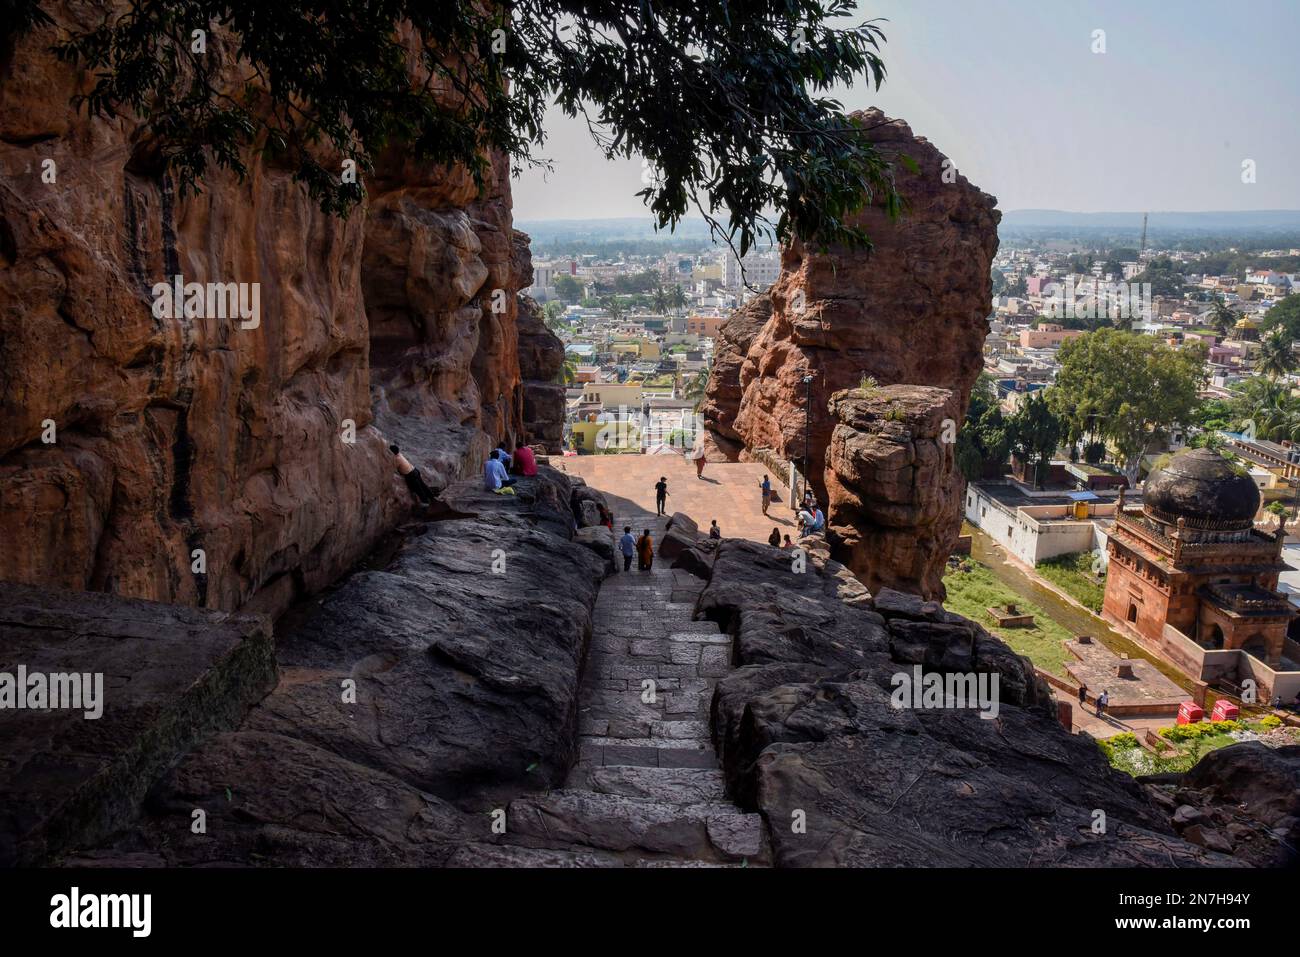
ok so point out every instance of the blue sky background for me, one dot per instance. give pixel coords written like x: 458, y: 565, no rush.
x: 1011, y: 91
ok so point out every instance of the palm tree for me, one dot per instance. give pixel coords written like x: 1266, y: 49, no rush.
x: 677, y: 298
x: 660, y: 299
x: 695, y: 387
x: 1221, y: 317
x: 612, y: 306
x: 1276, y: 357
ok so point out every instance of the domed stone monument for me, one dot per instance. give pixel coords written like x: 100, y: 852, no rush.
x: 1190, y: 572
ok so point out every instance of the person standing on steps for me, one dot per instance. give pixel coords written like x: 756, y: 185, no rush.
x: 775, y: 538
x: 766, y: 486
x: 714, y: 531
x: 627, y: 545
x: 661, y: 495
x: 645, y: 549
x: 411, y: 475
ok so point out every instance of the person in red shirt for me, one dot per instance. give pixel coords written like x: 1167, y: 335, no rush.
x: 525, y: 460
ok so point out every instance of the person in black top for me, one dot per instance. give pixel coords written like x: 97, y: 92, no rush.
x: 661, y: 494
x: 775, y: 538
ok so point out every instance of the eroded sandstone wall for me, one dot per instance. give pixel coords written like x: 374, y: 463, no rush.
x: 176, y: 435
x: 913, y: 310
x: 892, y: 485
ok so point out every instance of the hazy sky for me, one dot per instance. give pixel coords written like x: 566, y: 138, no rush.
x: 1012, y: 92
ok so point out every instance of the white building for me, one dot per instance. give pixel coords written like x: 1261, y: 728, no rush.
x: 1039, y: 526
x: 761, y: 269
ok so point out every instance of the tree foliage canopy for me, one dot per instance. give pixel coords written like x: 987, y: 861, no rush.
x: 1125, y: 387
x: 728, y: 103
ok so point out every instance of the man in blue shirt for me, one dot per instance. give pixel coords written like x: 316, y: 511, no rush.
x: 494, y: 474
x: 627, y: 545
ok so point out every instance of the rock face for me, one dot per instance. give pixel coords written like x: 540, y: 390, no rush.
x: 129, y: 440
x: 809, y: 736
x: 912, y: 310
x: 892, y: 485
x: 413, y: 700
x: 170, y: 677
x: 1243, y: 799
x: 541, y: 357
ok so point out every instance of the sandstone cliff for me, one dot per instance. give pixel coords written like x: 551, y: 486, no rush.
x: 194, y: 460
x: 910, y: 310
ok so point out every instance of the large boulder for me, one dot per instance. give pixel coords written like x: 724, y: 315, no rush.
x: 892, y: 485
x: 911, y: 309
x: 809, y: 735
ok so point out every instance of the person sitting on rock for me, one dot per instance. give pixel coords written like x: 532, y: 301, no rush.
x: 525, y: 461
x: 411, y: 475
x: 775, y: 538
x: 645, y: 549
x: 805, y: 520
x: 714, y: 531
x: 495, y: 478
x: 504, y: 456
x: 787, y: 544
x: 816, y: 521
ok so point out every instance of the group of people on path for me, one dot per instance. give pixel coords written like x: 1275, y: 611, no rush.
x: 643, y: 548
x: 496, y: 470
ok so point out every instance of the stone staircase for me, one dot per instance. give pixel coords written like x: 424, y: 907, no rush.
x: 647, y: 790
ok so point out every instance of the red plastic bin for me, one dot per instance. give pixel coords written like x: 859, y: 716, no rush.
x: 1189, y: 712
x: 1224, y: 710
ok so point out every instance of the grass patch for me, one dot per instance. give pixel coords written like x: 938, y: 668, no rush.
x: 1073, y: 575
x: 973, y: 589
x: 1193, y: 742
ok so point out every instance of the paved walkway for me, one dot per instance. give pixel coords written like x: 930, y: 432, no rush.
x: 728, y: 492
x: 647, y: 789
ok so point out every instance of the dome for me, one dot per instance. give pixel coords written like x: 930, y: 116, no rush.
x: 1201, y: 485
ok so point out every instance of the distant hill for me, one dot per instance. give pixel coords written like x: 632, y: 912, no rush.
x: 1270, y: 220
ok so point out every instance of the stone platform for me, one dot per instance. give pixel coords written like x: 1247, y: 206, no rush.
x: 1147, y: 692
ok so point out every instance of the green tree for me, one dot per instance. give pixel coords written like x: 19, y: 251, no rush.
x: 1222, y: 319
x: 982, y: 443
x: 1126, y: 388
x: 660, y: 300
x: 568, y: 288
x: 731, y: 108
x: 677, y: 298
x: 1285, y: 315
x: 1035, y: 432
x: 1164, y: 276
x: 1276, y: 357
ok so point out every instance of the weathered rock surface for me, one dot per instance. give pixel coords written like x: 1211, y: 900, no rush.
x: 413, y: 700
x: 170, y: 677
x: 912, y: 309
x: 541, y: 357
x: 892, y: 485
x: 1243, y: 799
x: 807, y: 733
x: 180, y: 434
x: 724, y: 393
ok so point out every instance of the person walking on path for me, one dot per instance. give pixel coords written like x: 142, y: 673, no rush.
x: 645, y: 549
x: 411, y: 475
x: 766, y: 486
x: 661, y: 495
x: 1103, y: 700
x: 775, y: 538
x: 714, y: 531
x: 627, y: 545
x: 697, y: 453
x: 1083, y: 694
